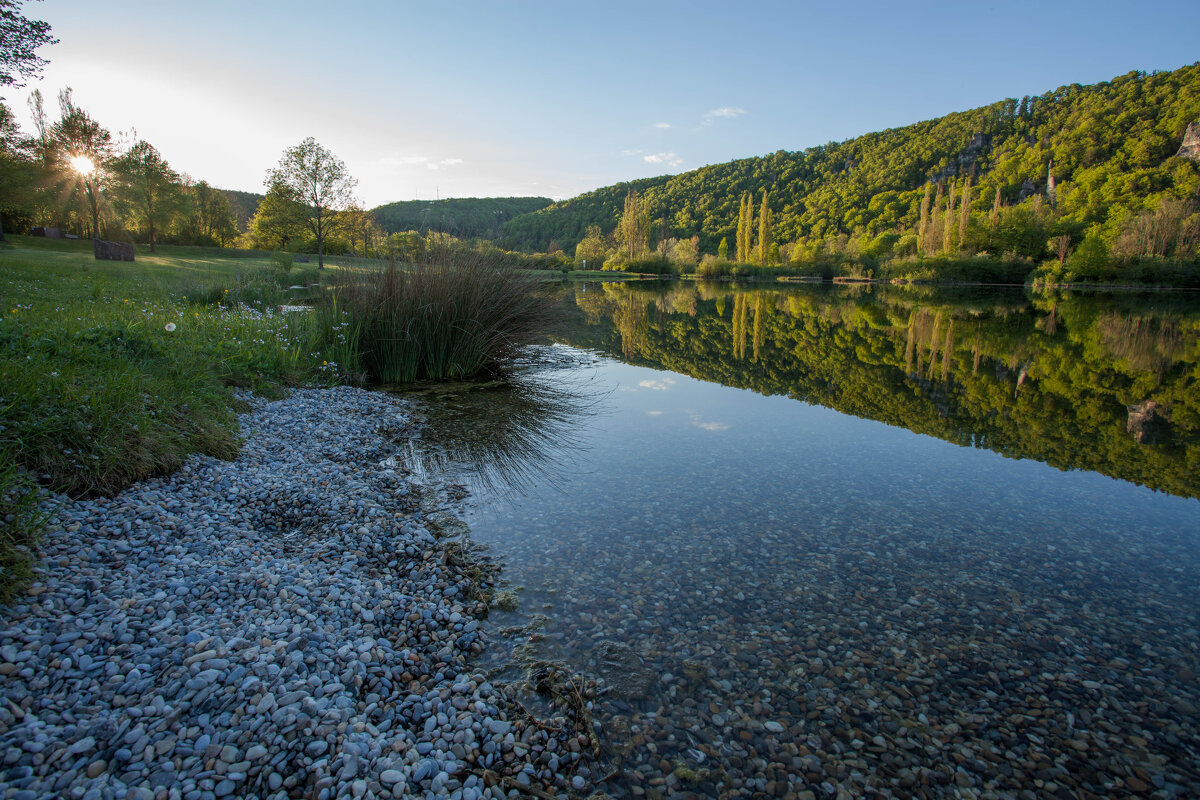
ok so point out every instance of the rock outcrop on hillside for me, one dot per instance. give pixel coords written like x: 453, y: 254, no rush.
x: 1191, y: 142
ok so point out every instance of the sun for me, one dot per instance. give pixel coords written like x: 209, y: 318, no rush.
x: 83, y: 165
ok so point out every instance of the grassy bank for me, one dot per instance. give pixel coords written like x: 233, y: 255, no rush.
x: 111, y: 372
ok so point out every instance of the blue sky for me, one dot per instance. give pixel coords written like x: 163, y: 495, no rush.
x: 463, y: 99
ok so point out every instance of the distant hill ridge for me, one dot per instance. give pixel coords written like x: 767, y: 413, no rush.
x: 468, y: 217
x: 243, y: 205
x: 1111, y: 149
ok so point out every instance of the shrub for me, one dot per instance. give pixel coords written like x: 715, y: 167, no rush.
x: 650, y: 266
x: 283, y: 262
x: 710, y: 267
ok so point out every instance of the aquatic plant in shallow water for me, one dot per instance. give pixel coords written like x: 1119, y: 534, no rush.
x: 453, y: 316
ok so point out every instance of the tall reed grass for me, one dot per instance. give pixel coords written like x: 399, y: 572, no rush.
x: 453, y: 316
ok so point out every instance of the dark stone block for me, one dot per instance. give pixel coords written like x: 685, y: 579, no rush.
x: 112, y: 251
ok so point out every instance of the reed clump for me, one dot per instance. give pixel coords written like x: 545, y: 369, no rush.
x: 452, y: 316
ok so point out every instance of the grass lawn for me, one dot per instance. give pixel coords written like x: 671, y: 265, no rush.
x: 111, y: 372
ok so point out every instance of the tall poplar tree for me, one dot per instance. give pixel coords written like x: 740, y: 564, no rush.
x: 965, y: 217
x: 764, y: 232
x: 933, y: 240
x: 631, y: 230
x: 746, y: 229
x: 948, y: 229
x: 923, y: 224
x: 740, y: 239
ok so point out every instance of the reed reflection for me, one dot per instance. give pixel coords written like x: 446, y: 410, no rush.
x: 507, y: 435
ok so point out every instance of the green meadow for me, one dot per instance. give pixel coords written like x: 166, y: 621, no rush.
x: 112, y: 372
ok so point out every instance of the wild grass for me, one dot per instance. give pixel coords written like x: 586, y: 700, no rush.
x: 453, y: 316
x: 111, y: 372
x: 20, y: 521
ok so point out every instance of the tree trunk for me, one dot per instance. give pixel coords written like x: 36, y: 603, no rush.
x: 320, y: 242
x: 95, y: 214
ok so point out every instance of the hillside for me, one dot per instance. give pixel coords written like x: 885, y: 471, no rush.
x: 243, y: 205
x: 467, y: 218
x: 1110, y: 149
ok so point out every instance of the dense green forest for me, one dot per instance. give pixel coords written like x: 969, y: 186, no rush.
x: 1101, y: 383
x: 1083, y: 183
x: 466, y: 218
x: 243, y: 205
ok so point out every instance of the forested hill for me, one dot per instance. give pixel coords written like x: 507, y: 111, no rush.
x: 467, y: 218
x: 243, y: 205
x: 1112, y: 145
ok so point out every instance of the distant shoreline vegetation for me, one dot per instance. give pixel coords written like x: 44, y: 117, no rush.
x: 1085, y: 184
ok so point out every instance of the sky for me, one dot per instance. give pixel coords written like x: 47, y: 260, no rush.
x: 556, y: 97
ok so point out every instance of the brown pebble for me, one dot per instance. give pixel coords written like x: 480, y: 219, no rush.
x: 97, y: 768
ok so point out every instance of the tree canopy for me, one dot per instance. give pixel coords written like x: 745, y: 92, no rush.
x: 20, y: 38
x: 146, y: 188
x: 310, y: 177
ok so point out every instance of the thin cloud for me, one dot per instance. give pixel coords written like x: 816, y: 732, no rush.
x: 394, y: 162
x: 445, y: 162
x: 670, y: 159
x: 707, y: 426
x: 725, y: 112
x: 658, y: 386
x: 636, y: 152
x: 662, y: 124
x: 728, y: 112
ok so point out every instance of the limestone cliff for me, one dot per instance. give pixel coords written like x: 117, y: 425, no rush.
x: 1191, y: 142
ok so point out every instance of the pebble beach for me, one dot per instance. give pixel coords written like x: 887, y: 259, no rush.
x: 288, y: 624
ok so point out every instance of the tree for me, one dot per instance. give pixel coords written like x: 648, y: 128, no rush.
x: 18, y: 170
x: 1061, y: 247
x: 312, y: 177
x: 665, y: 242
x: 723, y: 249
x: 923, y: 224
x: 631, y: 230
x: 76, y: 150
x: 19, y: 39
x: 146, y: 188
x: 592, y: 248
x: 279, y: 219
x: 745, y: 228
x: 764, y: 231
x: 687, y: 251
x: 359, y: 226
x: 948, y: 226
x: 965, y: 222
x: 208, y: 215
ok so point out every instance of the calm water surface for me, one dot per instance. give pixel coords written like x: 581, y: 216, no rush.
x: 827, y: 603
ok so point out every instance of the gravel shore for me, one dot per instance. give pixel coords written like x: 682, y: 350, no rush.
x: 287, y: 624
